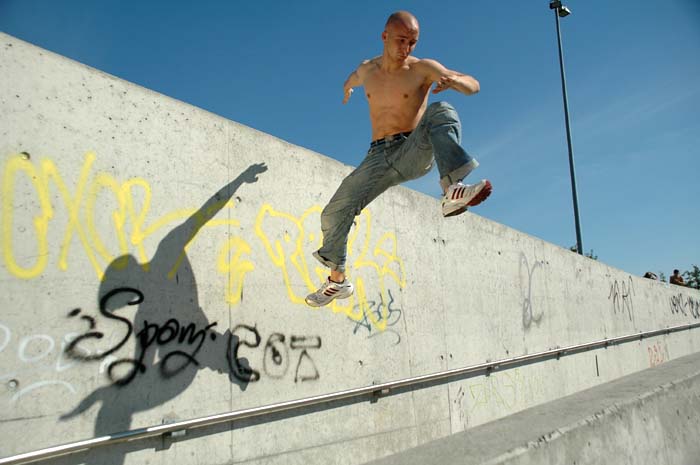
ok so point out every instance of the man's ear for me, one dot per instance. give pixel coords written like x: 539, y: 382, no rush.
x: 384, y: 35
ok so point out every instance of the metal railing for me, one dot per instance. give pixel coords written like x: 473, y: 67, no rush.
x: 180, y: 428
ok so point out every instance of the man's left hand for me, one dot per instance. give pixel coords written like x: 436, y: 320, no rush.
x: 445, y: 82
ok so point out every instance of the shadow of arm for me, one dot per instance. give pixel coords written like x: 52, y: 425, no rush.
x: 181, y: 235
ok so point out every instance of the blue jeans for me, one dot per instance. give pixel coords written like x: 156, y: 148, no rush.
x: 393, y: 161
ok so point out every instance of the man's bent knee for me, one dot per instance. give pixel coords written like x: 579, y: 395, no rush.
x: 442, y: 113
x: 326, y: 219
x: 440, y: 106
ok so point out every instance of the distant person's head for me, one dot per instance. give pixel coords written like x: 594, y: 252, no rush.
x: 675, y: 272
x: 400, y: 35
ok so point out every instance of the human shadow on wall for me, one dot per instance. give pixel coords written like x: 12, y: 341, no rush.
x: 173, y: 337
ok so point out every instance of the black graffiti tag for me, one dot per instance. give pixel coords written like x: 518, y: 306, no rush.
x: 71, y: 349
x: 684, y: 305
x: 621, y: 293
x: 304, y: 343
x: 276, y: 358
x: 239, y: 369
x: 151, y: 334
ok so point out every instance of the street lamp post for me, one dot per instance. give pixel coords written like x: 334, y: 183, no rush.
x: 562, y: 11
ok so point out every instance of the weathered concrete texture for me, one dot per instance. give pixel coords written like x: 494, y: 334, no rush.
x: 153, y: 271
x: 650, y: 417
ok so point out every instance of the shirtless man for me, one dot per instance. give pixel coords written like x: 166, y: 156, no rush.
x: 408, y: 137
x: 675, y: 278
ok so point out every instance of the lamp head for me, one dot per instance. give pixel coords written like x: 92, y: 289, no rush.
x: 562, y: 11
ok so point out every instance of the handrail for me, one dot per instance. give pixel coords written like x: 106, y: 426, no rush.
x: 180, y: 427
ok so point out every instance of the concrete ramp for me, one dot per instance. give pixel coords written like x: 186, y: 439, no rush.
x: 155, y: 258
x: 650, y: 417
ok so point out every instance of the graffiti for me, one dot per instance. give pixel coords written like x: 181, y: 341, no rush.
x: 302, y: 371
x: 287, y: 240
x: 36, y: 357
x: 459, y: 403
x: 276, y: 355
x: 393, y: 315
x: 621, y: 293
x: 127, y: 219
x: 241, y: 370
x: 658, y: 354
x: 528, y: 310
x: 42, y: 352
x: 685, y: 305
x: 276, y: 358
x: 169, y: 330
x: 6, y: 336
x: 288, y: 252
x: 505, y: 390
x: 152, y: 334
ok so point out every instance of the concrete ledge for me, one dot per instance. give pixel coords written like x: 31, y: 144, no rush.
x: 650, y: 417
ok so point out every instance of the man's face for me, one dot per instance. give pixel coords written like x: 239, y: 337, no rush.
x: 400, y: 40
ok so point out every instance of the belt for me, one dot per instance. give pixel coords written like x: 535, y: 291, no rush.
x: 378, y: 142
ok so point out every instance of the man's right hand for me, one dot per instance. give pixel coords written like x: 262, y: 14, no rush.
x: 356, y: 79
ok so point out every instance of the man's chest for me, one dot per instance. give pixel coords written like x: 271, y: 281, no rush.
x: 382, y: 86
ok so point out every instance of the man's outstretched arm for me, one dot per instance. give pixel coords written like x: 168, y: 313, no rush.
x: 355, y: 79
x: 448, y: 79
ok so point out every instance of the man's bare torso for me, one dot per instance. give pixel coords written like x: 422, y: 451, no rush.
x: 397, y: 99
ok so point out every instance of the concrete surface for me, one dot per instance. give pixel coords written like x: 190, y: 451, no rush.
x: 149, y: 275
x: 650, y: 417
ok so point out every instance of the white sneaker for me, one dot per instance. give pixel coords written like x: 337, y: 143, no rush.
x: 459, y: 197
x: 328, y: 291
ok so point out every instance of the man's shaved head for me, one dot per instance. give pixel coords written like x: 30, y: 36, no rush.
x: 400, y: 36
x: 403, y: 18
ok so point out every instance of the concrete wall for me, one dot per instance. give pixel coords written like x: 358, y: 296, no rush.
x: 149, y: 275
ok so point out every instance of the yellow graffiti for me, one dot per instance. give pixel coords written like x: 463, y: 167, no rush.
x: 275, y: 248
x: 288, y: 250
x: 288, y: 240
x: 234, y: 267
x: 506, y: 390
x: 128, y: 218
x: 41, y: 222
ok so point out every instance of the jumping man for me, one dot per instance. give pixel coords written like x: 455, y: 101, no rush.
x: 408, y: 136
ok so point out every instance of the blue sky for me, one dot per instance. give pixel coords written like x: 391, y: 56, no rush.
x: 633, y: 78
